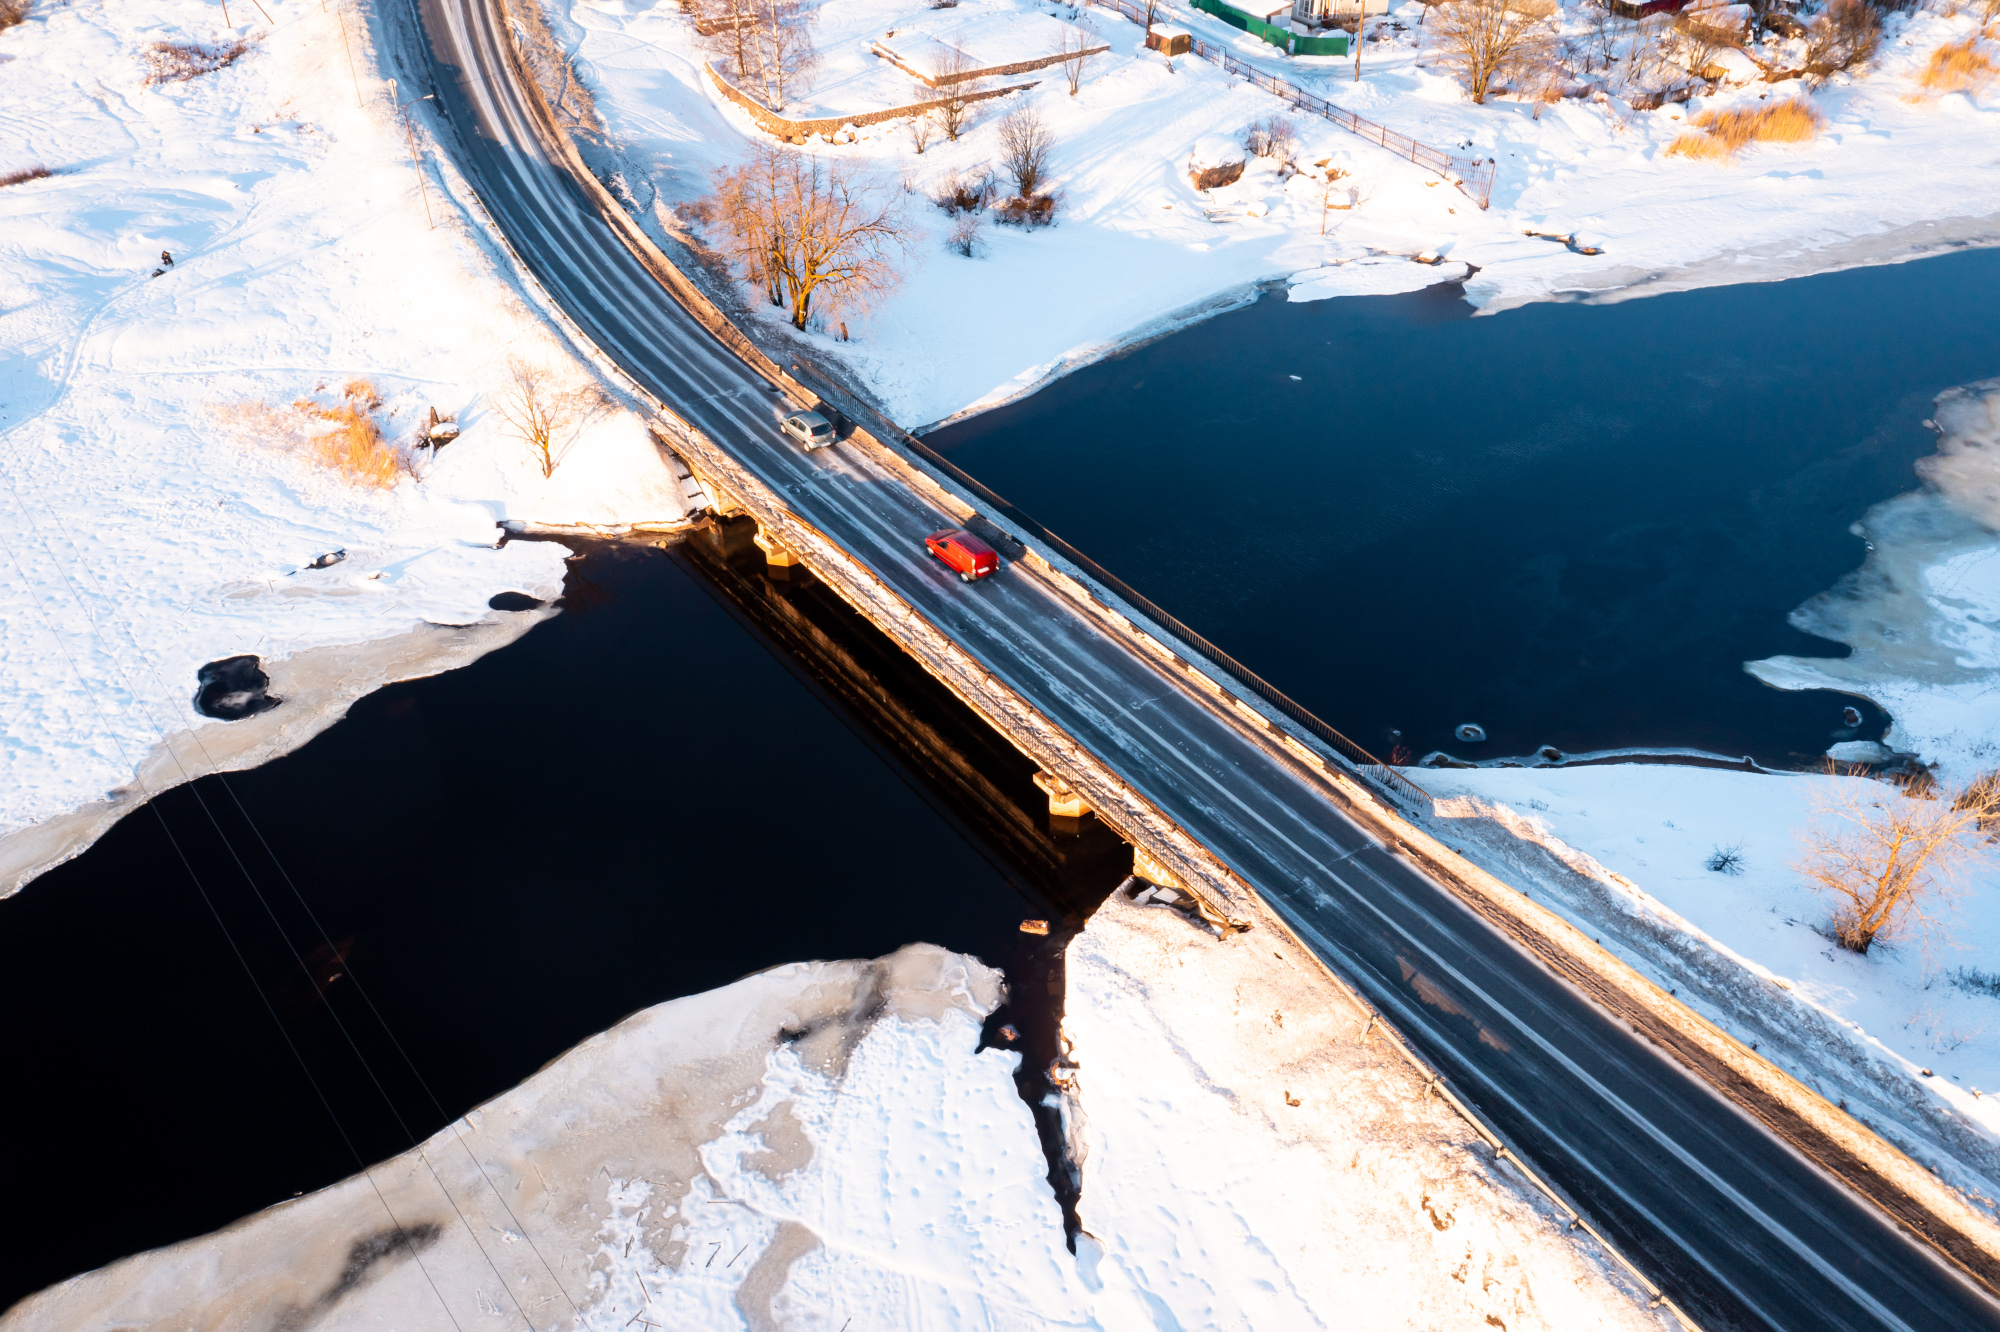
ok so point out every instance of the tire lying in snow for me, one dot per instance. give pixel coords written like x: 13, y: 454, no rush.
x: 232, y: 689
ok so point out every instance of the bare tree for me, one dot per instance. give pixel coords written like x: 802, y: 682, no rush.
x: 1600, y: 35
x: 1489, y: 40
x: 808, y: 229
x: 785, y: 54
x: 1073, y: 45
x: 1152, y: 8
x: 726, y: 31
x: 920, y: 128
x: 1843, y: 36
x: 951, y: 72
x: 546, y: 416
x: 1891, y: 859
x: 1273, y: 137
x: 1025, y: 144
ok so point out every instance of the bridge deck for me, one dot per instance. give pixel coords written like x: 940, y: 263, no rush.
x: 1733, y: 1224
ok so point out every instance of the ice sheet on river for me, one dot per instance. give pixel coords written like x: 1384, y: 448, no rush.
x: 824, y: 1145
x: 1922, y: 613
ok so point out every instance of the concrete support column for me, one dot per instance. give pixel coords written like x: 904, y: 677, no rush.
x: 1066, y: 808
x: 775, y: 554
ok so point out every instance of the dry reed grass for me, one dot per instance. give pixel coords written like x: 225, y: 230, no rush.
x: 1959, y: 66
x: 24, y: 175
x: 342, y: 437
x: 14, y: 11
x: 177, y: 62
x: 1723, y: 134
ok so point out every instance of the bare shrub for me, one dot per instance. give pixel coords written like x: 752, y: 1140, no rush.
x: 964, y: 238
x: 1073, y: 45
x: 1025, y: 145
x: 1723, y: 134
x: 1272, y: 137
x: 1891, y: 861
x: 1959, y: 66
x: 1843, y: 36
x: 951, y: 73
x: 1487, y: 41
x: 177, y: 62
x: 546, y: 416
x: 1601, y: 34
x: 1330, y: 188
x: 961, y: 192
x: 810, y: 229
x: 1039, y: 211
x: 14, y: 11
x: 944, y: 4
x: 24, y: 175
x: 920, y: 128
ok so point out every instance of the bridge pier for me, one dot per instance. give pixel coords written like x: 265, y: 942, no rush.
x: 777, y: 557
x: 1066, y: 808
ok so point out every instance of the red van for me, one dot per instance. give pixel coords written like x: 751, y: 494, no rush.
x: 964, y: 552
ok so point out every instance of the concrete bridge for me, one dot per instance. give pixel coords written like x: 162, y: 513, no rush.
x: 1738, y: 1198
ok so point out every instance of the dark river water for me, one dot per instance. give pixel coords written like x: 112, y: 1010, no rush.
x: 679, y: 780
x: 1569, y: 524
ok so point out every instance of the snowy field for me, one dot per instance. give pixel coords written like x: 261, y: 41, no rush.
x: 1136, y: 249
x: 152, y: 519
x: 704, y: 1165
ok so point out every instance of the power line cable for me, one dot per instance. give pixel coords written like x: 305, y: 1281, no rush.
x: 83, y: 564
x: 48, y: 622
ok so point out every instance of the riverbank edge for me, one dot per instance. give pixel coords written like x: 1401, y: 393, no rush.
x: 317, y: 687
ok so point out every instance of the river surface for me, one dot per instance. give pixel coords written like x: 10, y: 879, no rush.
x: 1570, y: 524
x: 658, y: 791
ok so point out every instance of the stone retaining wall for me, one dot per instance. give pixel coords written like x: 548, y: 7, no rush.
x: 990, y: 72
x: 798, y: 131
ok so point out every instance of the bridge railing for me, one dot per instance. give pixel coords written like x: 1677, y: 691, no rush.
x: 1473, y: 175
x: 1363, y: 762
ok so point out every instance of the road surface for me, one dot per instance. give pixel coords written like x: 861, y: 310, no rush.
x: 1732, y: 1224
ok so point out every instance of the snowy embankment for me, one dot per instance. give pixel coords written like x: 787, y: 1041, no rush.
x: 1137, y: 250
x: 1906, y: 1039
x: 154, y: 518
x: 826, y: 1143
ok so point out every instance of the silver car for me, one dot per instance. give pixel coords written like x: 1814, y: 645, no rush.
x: 808, y: 428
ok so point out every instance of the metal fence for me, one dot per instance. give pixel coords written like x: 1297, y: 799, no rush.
x: 1473, y: 175
x: 1363, y: 762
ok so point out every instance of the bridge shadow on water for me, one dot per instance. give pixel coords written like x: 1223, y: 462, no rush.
x: 700, y: 769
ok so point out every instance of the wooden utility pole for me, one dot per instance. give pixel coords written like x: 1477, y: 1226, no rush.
x: 341, y: 19
x: 415, y: 160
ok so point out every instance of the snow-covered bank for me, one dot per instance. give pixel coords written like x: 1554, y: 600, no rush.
x: 1311, y: 1183
x: 826, y: 1142
x: 153, y: 520
x: 1922, y: 614
x: 1623, y: 852
x: 1135, y: 246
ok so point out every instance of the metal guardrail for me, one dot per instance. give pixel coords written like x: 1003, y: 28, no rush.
x: 1473, y: 175
x: 1360, y: 759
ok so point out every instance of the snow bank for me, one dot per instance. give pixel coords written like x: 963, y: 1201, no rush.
x: 826, y: 1143
x: 150, y: 523
x: 1622, y: 851
x: 1249, y: 1164
x: 1922, y: 614
x: 1137, y: 249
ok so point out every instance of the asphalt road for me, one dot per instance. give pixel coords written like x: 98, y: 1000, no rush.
x: 1739, y: 1230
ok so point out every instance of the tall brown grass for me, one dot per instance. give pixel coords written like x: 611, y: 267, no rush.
x: 24, y: 175
x: 14, y: 11
x: 1959, y: 66
x: 1723, y: 134
x: 341, y: 437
